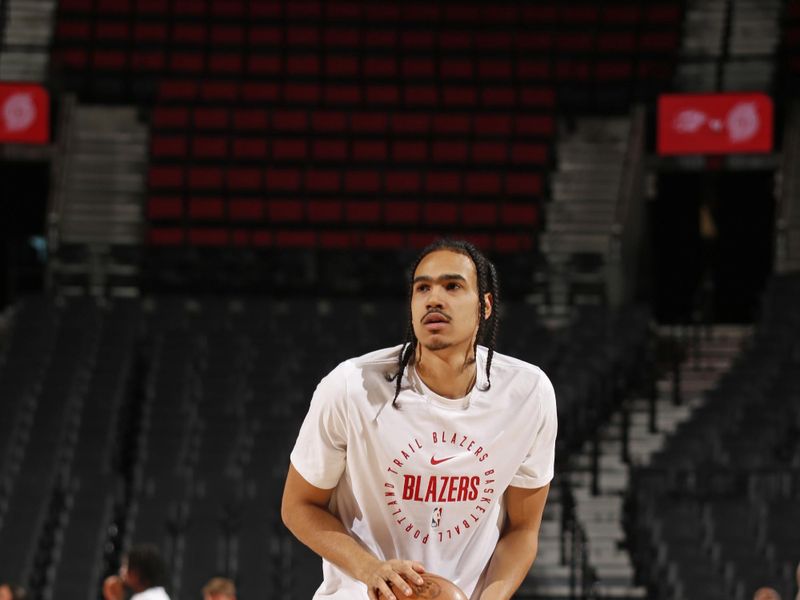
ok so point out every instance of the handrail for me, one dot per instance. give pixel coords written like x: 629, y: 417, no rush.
x: 788, y: 198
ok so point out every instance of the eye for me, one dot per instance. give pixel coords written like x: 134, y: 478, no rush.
x: 422, y: 287
x: 453, y: 286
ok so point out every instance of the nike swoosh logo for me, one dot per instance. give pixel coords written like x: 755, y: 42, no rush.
x: 435, y: 462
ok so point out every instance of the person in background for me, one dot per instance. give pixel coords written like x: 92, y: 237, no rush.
x: 10, y: 591
x: 142, y: 571
x: 219, y: 588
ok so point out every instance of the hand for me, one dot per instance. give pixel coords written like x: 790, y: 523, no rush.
x: 378, y: 576
x: 113, y: 588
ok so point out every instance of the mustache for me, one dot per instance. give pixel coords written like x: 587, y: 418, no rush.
x: 435, y: 312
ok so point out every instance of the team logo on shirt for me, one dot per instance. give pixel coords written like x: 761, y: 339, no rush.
x: 460, y: 478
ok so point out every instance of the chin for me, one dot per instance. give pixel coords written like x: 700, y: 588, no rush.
x: 434, y: 345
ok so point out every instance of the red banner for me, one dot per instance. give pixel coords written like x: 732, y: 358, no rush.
x: 714, y: 123
x: 24, y: 113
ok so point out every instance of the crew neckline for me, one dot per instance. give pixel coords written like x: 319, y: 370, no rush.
x: 442, y: 401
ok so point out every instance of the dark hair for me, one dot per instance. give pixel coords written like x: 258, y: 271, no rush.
x: 17, y: 591
x: 145, y: 560
x: 487, y: 328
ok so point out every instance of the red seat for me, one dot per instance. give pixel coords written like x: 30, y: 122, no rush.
x: 459, y: 96
x: 497, y: 97
x: 381, y: 12
x: 482, y: 241
x: 189, y: 8
x: 229, y: 9
x: 152, y: 7
x: 222, y: 91
x: 535, y: 125
x: 341, y: 66
x: 362, y: 180
x: 369, y: 150
x: 115, y: 7
x: 483, y: 214
x: 403, y: 182
x: 411, y: 123
x: 148, y: 60
x: 613, y: 70
x: 210, y: 118
x: 328, y: 121
x: 337, y: 9
x: 230, y: 63
x: 208, y: 237
x: 264, y: 35
x: 165, y: 236
x: 245, y: 209
x: 262, y: 238
x: 205, y: 178
x: 528, y: 184
x: 377, y: 66
x: 336, y: 239
x: 482, y: 183
x: 164, y: 207
x: 250, y: 149
x: 493, y: 124
x: 489, y: 152
x: 495, y: 69
x: 363, y: 211
x: 186, y: 62
x: 451, y: 123
x: 420, y: 11
x: 265, y: 9
x: 580, y: 14
x: 240, y: 237
x: 462, y: 13
x: 369, y: 122
x: 264, y: 64
x: 380, y: 38
x: 443, y: 182
x: 455, y: 68
x: 421, y: 240
x: 170, y: 118
x: 168, y: 146
x: 302, y: 36
x: 418, y: 67
x: 420, y: 95
x: 72, y: 57
x: 283, y: 179
x: 302, y: 64
x: 513, y: 242
x: 177, y: 90
x: 382, y: 94
x: 409, y: 151
x: 243, y: 178
x: 296, y: 239
x: 449, y: 151
x: 384, y: 240
x: 164, y: 177
x: 531, y: 96
x: 342, y: 94
x: 417, y: 39
x: 534, y: 41
x: 147, y: 32
x: 620, y: 41
x: 401, y: 212
x: 455, y: 40
x: 666, y: 14
x: 290, y: 120
x: 532, y: 70
x: 189, y: 34
x: 539, y: 14
x: 112, y: 30
x: 323, y: 149
x: 206, y: 208
x: 289, y: 149
x: 528, y: 153
x: 301, y: 93
x: 341, y: 37
x: 492, y: 41
x: 259, y: 93
x: 575, y: 42
x: 623, y: 14
x: 441, y: 213
x: 325, y: 211
x: 226, y: 35
x: 111, y: 60
x: 283, y: 210
x: 519, y: 214
x: 67, y: 6
x: 665, y: 41
x: 250, y: 119
x: 506, y: 14
x: 303, y: 9
x: 323, y: 180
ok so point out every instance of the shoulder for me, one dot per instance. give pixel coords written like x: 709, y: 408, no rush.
x: 512, y: 374
x: 379, y: 362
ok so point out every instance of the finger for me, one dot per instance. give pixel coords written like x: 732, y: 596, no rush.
x: 412, y: 573
x: 400, y: 583
x: 371, y: 593
x: 384, y: 590
x: 417, y: 567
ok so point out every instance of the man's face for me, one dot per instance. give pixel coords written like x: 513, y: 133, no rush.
x: 444, y: 301
x: 5, y: 592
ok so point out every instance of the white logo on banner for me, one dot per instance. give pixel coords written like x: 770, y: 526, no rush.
x: 689, y: 121
x: 743, y: 122
x: 19, y: 111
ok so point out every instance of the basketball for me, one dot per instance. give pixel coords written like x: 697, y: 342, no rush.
x: 433, y: 586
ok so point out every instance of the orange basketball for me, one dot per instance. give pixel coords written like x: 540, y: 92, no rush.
x: 433, y: 586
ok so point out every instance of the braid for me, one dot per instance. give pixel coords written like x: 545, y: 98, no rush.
x: 487, y: 328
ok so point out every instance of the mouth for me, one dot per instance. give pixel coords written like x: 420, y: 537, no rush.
x: 435, y: 321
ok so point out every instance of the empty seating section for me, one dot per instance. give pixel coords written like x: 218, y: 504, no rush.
x: 310, y: 124
x: 716, y: 510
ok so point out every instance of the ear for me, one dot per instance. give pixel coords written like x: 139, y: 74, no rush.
x: 488, y: 303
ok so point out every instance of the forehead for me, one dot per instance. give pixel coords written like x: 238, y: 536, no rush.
x: 446, y: 262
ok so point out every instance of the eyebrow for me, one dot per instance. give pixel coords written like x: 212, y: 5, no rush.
x: 445, y: 277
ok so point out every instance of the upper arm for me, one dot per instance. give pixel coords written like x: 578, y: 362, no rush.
x: 525, y: 506
x: 297, y: 492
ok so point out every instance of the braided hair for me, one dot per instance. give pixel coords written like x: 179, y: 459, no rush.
x: 487, y: 328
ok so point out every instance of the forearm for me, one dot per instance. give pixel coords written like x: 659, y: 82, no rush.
x: 510, y: 563
x: 325, y: 534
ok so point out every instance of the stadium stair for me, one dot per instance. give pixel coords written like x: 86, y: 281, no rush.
x: 26, y: 39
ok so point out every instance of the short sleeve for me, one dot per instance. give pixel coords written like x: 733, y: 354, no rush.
x: 321, y: 447
x: 537, y: 468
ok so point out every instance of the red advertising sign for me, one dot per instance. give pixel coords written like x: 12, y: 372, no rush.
x: 714, y: 123
x: 24, y: 113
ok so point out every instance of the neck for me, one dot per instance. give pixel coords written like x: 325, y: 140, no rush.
x: 449, y: 372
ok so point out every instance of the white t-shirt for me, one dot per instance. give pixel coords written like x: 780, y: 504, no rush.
x: 425, y: 481
x: 154, y: 593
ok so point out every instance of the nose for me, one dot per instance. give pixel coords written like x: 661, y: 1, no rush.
x: 434, y: 298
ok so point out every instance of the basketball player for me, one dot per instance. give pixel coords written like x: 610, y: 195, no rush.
x: 142, y: 571
x: 435, y: 455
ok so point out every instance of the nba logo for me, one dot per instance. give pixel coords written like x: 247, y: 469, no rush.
x: 436, y: 519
